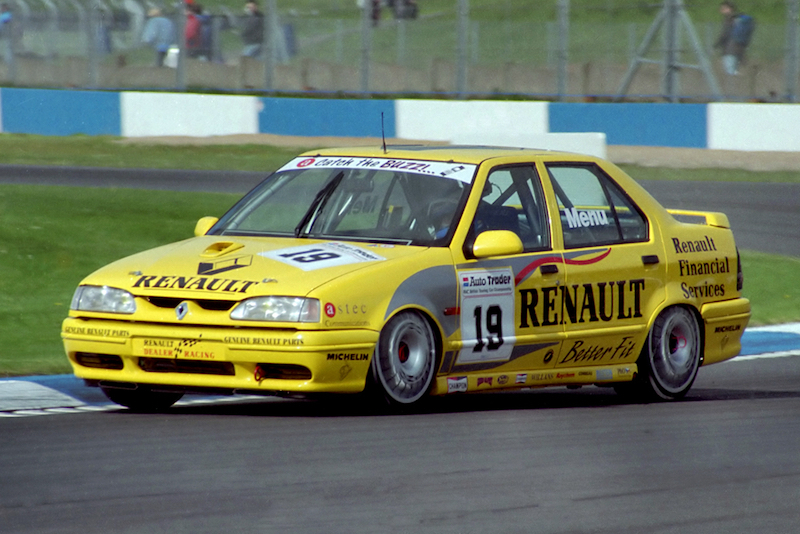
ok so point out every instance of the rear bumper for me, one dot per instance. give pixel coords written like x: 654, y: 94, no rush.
x: 724, y: 325
x: 269, y: 361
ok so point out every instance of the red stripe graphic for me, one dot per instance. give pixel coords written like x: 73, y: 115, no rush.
x: 531, y: 268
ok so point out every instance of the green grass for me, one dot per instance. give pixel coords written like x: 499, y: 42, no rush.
x: 51, y: 237
x: 106, y: 151
x: 595, y: 10
x: 772, y: 283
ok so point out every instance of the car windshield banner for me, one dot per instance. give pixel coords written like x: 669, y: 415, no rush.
x: 457, y: 171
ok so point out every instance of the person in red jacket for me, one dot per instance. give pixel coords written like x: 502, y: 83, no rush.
x: 192, y: 32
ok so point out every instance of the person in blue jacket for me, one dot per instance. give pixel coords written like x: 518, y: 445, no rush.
x: 159, y: 32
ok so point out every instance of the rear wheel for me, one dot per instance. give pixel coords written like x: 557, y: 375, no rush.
x: 670, y: 358
x: 403, y: 365
x: 142, y: 399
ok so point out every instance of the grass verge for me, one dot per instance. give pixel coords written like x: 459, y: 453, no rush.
x: 51, y: 237
x: 106, y: 151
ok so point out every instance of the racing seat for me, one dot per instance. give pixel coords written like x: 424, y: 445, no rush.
x: 497, y: 218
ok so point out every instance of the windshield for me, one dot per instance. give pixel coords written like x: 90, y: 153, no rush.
x: 361, y: 199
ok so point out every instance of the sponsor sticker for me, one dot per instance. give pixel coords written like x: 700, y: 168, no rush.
x: 487, y: 315
x: 187, y: 349
x: 321, y: 255
x: 456, y: 171
x: 485, y: 380
x: 605, y: 374
x: 457, y: 384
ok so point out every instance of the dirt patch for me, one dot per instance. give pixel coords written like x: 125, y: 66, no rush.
x: 288, y: 141
x: 636, y: 155
x: 694, y: 158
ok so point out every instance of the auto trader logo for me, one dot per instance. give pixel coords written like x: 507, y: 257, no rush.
x: 221, y: 266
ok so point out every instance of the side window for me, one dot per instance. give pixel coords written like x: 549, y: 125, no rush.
x: 593, y: 208
x: 512, y: 200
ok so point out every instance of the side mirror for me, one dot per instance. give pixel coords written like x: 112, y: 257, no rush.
x: 204, y: 225
x: 497, y: 243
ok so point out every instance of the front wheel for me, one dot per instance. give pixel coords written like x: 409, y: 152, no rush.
x: 404, y: 360
x: 670, y: 358
x: 142, y: 399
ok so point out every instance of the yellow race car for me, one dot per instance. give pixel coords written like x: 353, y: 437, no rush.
x: 415, y: 271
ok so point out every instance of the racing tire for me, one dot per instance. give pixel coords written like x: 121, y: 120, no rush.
x: 143, y: 399
x: 670, y: 358
x: 403, y: 365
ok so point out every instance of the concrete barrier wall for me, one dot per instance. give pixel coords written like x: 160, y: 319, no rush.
x: 675, y: 125
x: 318, y: 117
x: 148, y: 114
x: 757, y: 127
x: 49, y: 112
x: 762, y: 127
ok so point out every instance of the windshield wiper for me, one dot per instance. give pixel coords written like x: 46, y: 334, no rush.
x: 317, y: 204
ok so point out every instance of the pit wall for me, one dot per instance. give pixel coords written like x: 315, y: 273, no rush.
x: 753, y: 127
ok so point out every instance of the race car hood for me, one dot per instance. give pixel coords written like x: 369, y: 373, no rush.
x: 234, y: 268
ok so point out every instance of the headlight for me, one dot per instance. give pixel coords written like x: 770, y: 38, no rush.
x: 103, y: 299
x: 278, y: 309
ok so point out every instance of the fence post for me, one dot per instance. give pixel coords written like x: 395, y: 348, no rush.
x: 670, y: 69
x: 792, y: 60
x: 462, y: 52
x: 563, y: 47
x: 180, y: 28
x: 366, y: 44
x: 270, y: 42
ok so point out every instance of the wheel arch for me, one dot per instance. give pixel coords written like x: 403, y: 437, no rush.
x: 698, y: 317
x: 436, y: 327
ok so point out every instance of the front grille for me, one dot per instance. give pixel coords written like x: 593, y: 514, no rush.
x: 98, y: 361
x: 282, y: 372
x: 195, y: 367
x: 206, y: 304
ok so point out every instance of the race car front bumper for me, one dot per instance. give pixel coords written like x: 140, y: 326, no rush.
x: 248, y: 360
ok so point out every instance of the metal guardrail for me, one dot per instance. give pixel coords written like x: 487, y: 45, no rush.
x: 97, y: 44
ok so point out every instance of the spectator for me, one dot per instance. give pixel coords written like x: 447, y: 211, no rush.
x: 204, y: 51
x: 159, y: 32
x: 103, y: 32
x: 404, y: 9
x: 193, y: 33
x: 376, y: 12
x: 10, y: 32
x: 252, y: 30
x: 737, y: 30
x: 6, y: 19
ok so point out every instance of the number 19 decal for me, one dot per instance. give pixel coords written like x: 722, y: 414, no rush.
x: 494, y: 327
x: 487, y: 311
x: 311, y: 255
x: 321, y: 255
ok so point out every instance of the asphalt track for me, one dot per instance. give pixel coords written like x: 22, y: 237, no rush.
x: 549, y: 461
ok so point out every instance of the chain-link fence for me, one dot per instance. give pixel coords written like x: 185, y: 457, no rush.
x: 392, y: 46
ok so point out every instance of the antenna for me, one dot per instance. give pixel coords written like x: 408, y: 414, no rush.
x: 383, y: 134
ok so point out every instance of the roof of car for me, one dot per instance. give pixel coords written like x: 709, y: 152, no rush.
x: 460, y: 153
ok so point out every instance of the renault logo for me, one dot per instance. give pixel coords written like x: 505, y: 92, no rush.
x: 181, y: 310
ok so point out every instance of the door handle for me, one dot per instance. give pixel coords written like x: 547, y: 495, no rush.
x: 650, y: 259
x: 549, y: 269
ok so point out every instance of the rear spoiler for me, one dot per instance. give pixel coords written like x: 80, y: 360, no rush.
x: 709, y: 218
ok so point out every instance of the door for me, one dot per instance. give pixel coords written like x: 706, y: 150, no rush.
x: 614, y: 268
x: 504, y: 314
